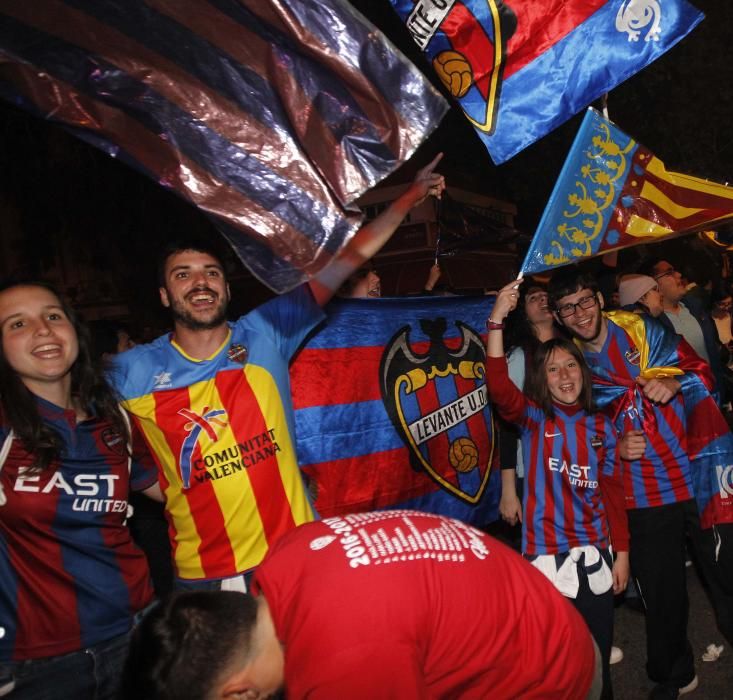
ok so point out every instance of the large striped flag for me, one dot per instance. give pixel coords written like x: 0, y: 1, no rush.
x: 613, y: 193
x: 272, y: 116
x: 390, y: 408
x: 520, y: 68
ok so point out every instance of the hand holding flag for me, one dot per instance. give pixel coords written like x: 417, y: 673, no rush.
x: 506, y: 300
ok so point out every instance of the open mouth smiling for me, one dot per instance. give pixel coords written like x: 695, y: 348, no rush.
x: 47, y: 351
x: 584, y: 322
x: 202, y: 298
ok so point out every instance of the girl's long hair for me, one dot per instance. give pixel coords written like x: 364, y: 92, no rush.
x: 88, y: 385
x: 536, y: 385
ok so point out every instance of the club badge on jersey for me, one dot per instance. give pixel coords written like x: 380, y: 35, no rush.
x: 237, y: 353
x: 633, y: 356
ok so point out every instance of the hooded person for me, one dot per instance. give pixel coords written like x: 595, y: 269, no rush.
x: 640, y: 293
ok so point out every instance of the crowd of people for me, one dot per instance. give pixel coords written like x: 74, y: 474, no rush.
x: 74, y: 582
x: 657, y: 360
x: 615, y: 432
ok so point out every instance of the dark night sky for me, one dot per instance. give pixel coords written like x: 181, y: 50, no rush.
x: 63, y: 193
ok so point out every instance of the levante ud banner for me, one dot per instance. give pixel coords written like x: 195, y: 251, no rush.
x: 391, y: 408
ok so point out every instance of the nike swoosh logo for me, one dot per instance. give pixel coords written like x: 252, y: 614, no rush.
x: 553, y: 434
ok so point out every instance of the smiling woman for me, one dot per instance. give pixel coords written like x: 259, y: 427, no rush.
x: 559, y: 376
x: 73, y: 581
x: 38, y: 341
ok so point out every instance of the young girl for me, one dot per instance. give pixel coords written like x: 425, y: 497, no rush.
x: 71, y: 579
x: 573, y: 496
x: 530, y: 325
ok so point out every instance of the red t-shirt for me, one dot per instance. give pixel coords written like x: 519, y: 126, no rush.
x: 408, y: 605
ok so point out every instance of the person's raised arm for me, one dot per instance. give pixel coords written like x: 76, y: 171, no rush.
x: 370, y: 238
x: 433, y: 277
x: 506, y: 301
x: 508, y: 398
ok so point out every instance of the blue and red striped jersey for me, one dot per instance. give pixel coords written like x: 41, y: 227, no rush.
x: 662, y: 475
x: 222, y: 432
x: 70, y: 575
x: 565, y: 459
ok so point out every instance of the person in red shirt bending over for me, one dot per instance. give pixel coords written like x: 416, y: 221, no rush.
x: 392, y: 604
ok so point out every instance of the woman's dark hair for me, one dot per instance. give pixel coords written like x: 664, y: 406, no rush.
x: 88, y: 385
x: 719, y: 292
x: 183, y: 645
x: 519, y: 330
x: 536, y: 385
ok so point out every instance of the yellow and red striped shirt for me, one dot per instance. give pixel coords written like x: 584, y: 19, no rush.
x: 222, y: 433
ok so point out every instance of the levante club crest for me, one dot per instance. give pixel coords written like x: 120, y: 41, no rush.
x: 438, y: 404
x: 467, y: 44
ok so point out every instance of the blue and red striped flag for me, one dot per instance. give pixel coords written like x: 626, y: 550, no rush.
x: 614, y: 193
x: 272, y: 116
x: 390, y: 408
x: 520, y: 68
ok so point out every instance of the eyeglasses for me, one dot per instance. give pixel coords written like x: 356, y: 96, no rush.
x: 668, y: 271
x: 567, y: 310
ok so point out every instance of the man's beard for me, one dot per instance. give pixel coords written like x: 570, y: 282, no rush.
x: 598, y: 326
x: 185, y: 318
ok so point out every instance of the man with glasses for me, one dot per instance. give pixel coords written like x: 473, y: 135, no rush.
x: 642, y: 373
x: 686, y: 315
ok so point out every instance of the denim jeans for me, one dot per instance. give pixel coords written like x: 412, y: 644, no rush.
x: 88, y: 674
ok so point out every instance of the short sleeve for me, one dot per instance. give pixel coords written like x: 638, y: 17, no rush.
x: 288, y: 318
